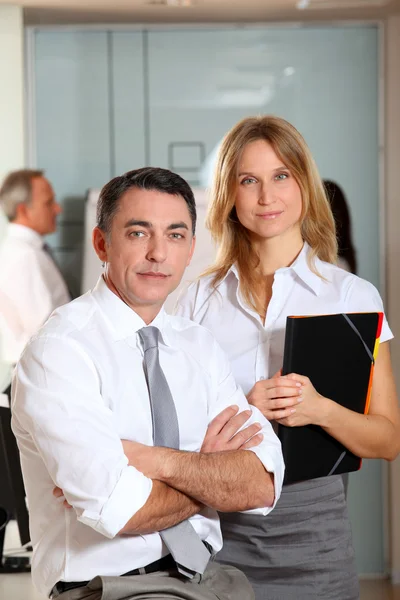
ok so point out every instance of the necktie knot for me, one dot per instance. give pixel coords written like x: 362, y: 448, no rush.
x: 149, y: 336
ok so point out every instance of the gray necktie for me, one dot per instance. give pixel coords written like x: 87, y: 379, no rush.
x: 182, y: 541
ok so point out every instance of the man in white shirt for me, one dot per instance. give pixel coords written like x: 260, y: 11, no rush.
x: 31, y: 285
x: 84, y: 383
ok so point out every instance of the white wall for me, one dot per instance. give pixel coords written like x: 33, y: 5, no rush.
x: 12, y: 147
x: 12, y: 137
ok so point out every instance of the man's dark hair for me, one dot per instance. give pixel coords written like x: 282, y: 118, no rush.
x: 147, y: 178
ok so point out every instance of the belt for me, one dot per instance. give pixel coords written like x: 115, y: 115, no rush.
x: 163, y: 564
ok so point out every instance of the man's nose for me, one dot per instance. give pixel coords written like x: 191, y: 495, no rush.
x: 157, y: 249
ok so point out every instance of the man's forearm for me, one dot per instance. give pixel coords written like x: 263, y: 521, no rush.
x: 225, y: 481
x: 164, y: 508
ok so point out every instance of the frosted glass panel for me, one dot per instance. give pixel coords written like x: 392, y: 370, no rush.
x: 128, y: 108
x: 89, y: 122
x: 72, y: 122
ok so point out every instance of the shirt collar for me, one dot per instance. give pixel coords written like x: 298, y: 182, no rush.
x: 300, y: 267
x: 124, y: 321
x: 25, y: 234
x: 303, y: 271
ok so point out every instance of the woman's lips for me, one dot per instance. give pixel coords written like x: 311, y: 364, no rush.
x: 269, y: 216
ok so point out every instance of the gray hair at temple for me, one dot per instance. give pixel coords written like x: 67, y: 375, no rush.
x: 17, y: 189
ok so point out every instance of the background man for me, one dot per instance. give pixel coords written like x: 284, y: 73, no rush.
x: 31, y: 285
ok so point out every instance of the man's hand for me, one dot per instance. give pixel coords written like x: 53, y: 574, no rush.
x: 223, y: 432
x: 58, y: 493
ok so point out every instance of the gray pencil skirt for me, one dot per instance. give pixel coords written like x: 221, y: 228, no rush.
x: 302, y: 550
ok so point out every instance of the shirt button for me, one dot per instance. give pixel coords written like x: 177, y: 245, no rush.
x: 261, y: 378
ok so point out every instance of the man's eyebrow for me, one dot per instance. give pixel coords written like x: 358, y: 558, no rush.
x: 149, y: 225
x: 139, y: 223
x: 181, y: 225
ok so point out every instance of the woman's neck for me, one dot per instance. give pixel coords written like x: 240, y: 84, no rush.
x: 277, y: 252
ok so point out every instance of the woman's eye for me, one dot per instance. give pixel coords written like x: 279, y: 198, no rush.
x: 282, y: 176
x: 248, y: 180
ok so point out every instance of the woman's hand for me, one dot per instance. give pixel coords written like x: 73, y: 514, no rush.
x: 312, y: 408
x: 290, y: 400
x: 277, y: 398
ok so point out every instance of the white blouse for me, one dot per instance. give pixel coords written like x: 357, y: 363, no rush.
x: 256, y: 349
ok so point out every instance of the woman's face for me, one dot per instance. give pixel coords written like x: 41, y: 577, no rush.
x: 268, y: 198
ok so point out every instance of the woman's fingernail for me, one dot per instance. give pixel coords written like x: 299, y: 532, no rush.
x: 300, y: 399
x: 293, y: 410
x: 298, y: 384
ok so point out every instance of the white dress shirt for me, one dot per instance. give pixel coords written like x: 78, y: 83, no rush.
x: 31, y: 287
x: 255, y: 349
x: 79, y: 389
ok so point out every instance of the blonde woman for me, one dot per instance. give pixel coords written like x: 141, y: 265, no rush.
x: 277, y: 252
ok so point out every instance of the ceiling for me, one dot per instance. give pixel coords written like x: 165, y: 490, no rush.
x: 201, y: 11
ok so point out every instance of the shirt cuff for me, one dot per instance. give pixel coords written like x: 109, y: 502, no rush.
x: 271, y: 458
x: 128, y: 496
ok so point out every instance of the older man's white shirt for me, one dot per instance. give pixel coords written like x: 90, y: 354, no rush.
x: 31, y: 287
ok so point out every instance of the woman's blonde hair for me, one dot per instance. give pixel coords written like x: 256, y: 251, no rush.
x: 233, y: 240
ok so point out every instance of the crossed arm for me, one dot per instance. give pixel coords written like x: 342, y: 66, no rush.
x: 221, y: 476
x: 226, y: 481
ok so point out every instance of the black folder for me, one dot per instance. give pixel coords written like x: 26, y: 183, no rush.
x: 337, y: 352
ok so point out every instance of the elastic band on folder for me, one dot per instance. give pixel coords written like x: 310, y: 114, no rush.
x: 354, y: 328
x: 337, y: 463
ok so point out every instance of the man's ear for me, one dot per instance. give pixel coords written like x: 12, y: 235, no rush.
x: 21, y: 211
x: 99, y: 242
